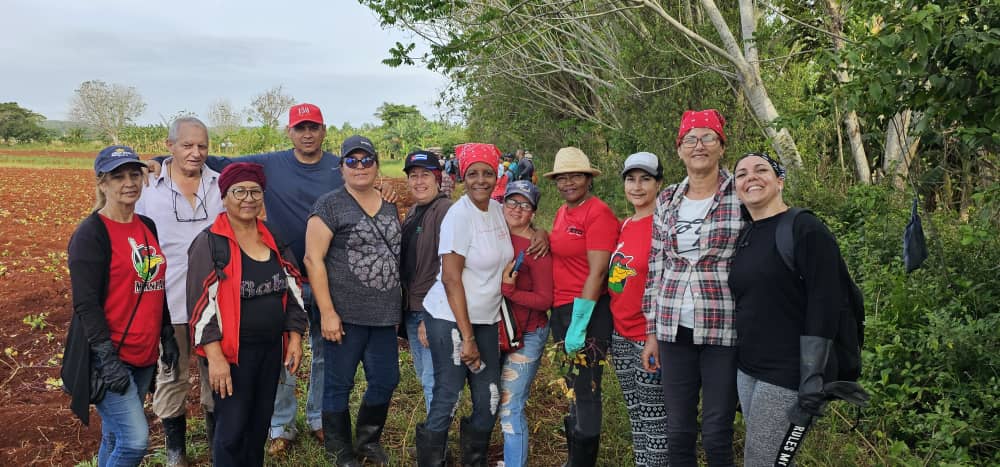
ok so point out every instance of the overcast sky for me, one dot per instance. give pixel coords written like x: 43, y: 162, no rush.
x: 184, y: 54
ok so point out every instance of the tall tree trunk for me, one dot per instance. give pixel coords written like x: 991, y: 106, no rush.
x: 835, y: 25
x: 748, y: 28
x: 900, y: 147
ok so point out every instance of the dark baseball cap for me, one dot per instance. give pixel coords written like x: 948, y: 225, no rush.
x: 112, y: 157
x: 425, y: 159
x: 357, y: 143
x: 523, y: 188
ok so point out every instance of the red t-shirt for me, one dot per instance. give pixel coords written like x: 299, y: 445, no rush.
x: 531, y: 296
x: 627, y: 277
x: 135, y: 259
x: 590, y: 226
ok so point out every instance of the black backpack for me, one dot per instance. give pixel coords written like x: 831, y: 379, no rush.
x: 851, y: 332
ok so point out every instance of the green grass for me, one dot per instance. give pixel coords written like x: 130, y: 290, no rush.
x: 45, y: 162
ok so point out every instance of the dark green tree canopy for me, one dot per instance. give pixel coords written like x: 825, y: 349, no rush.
x: 18, y: 123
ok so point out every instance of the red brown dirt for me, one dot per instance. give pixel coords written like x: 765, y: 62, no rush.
x: 39, y: 209
x: 43, y: 152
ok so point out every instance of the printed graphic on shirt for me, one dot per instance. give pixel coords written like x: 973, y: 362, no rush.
x: 251, y: 289
x: 369, y: 254
x: 147, y: 264
x: 574, y: 230
x: 620, y: 270
x: 682, y: 229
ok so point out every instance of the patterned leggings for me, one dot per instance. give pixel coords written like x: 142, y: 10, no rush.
x: 643, y: 394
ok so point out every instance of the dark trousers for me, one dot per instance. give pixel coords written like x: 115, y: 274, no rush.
x: 242, y: 420
x: 450, y: 374
x: 586, y: 380
x: 375, y: 348
x: 687, y: 370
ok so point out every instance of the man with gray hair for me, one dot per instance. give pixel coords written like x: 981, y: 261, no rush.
x: 183, y: 199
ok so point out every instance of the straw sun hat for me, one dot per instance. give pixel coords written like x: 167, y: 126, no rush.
x: 571, y: 160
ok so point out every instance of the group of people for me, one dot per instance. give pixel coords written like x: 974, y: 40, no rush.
x: 687, y: 296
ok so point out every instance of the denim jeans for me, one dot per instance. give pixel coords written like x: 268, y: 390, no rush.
x: 376, y: 349
x: 518, y: 373
x: 124, y: 431
x: 285, y: 403
x: 422, y: 363
x: 688, y: 370
x: 450, y: 375
x: 586, y: 409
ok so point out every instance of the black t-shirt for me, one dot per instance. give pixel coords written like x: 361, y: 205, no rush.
x: 774, y: 306
x: 262, y: 287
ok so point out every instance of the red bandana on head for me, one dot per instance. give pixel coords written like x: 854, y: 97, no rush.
x: 470, y: 153
x: 709, y: 118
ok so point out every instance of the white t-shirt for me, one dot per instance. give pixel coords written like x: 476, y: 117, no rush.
x: 482, y: 238
x: 690, y: 217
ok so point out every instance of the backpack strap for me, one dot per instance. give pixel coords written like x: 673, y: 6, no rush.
x: 784, y: 237
x: 219, y: 247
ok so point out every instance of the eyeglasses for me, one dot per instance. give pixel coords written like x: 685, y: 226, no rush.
x: 707, y: 140
x: 195, y: 215
x: 566, y: 178
x: 512, y: 203
x: 354, y: 162
x: 241, y: 194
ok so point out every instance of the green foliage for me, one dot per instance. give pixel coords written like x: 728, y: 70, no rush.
x: 18, y: 124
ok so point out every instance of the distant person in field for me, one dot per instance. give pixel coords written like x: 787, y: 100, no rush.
x: 120, y: 314
x: 352, y: 255
x: 639, y: 380
x: 419, y: 260
x: 297, y: 178
x: 526, y: 166
x: 247, y: 317
x: 691, y: 327
x: 183, y: 200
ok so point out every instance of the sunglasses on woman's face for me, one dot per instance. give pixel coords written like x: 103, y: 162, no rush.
x: 354, y: 162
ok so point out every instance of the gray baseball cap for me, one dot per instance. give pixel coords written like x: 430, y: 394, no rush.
x: 646, y: 161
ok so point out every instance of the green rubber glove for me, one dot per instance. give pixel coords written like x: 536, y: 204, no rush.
x: 577, y: 332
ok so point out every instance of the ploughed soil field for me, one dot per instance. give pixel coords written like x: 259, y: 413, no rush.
x: 39, y: 209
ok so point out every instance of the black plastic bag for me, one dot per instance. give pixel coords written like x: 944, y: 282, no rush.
x: 914, y: 244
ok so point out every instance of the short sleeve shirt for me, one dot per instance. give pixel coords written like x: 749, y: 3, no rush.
x: 590, y: 226
x: 483, y: 239
x: 362, y: 262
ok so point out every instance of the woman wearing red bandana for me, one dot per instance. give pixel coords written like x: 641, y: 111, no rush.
x: 691, y: 329
x: 247, y: 319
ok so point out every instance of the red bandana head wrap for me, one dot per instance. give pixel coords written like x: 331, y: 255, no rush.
x: 241, y: 172
x: 470, y: 153
x: 709, y: 118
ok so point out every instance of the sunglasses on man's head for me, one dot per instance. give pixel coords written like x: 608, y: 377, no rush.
x: 355, y: 162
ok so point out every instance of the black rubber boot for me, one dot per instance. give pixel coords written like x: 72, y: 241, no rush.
x: 568, y: 424
x: 475, y: 445
x: 174, y: 430
x: 337, y: 439
x: 432, y: 447
x: 583, y: 450
x: 368, y: 433
x: 209, y: 427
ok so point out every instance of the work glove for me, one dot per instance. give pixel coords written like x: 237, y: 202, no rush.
x: 116, y: 377
x: 847, y: 391
x: 97, y: 387
x: 577, y: 332
x: 171, y: 352
x: 813, y: 354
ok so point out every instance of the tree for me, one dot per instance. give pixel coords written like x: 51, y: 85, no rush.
x: 267, y: 107
x: 566, y: 53
x: 392, y: 113
x: 20, y: 124
x: 223, y: 117
x: 106, y: 107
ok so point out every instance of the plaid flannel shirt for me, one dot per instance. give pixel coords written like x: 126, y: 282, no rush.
x: 671, y: 274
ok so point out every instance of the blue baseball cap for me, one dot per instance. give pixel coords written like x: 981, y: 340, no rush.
x: 523, y: 188
x: 358, y: 143
x: 425, y: 159
x: 112, y: 157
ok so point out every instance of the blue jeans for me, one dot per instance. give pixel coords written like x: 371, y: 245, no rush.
x: 519, y: 370
x: 423, y: 365
x: 285, y: 403
x: 124, y: 431
x: 450, y: 375
x: 376, y: 349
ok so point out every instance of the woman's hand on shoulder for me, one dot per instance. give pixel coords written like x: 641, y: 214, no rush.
x: 539, y: 244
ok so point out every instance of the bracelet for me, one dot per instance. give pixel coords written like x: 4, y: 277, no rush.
x: 469, y: 339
